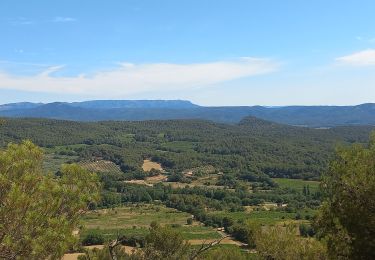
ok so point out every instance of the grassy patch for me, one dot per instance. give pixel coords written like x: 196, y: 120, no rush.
x: 178, y: 146
x: 140, y: 216
x: 297, y: 184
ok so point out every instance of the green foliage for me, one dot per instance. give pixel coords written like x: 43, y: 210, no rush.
x: 93, y: 238
x: 39, y: 212
x: 245, y: 232
x: 347, y: 218
x: 103, y: 254
x: 281, y: 243
x: 306, y: 230
x: 165, y: 243
x: 272, y: 149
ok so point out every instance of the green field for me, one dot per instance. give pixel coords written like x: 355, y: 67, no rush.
x: 179, y: 146
x: 297, y: 184
x: 136, y: 215
x: 265, y: 217
x: 135, y: 220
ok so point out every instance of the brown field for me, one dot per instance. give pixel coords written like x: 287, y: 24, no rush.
x: 148, y: 165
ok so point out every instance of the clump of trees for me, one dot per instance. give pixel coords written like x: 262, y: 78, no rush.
x: 38, y: 211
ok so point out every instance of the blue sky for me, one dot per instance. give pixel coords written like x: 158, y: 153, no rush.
x: 268, y: 52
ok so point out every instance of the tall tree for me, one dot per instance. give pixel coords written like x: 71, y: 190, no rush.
x: 38, y: 211
x: 347, y: 217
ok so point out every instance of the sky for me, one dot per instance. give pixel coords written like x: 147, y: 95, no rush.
x: 211, y: 52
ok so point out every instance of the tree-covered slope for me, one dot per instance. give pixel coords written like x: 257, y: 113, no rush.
x: 253, y: 146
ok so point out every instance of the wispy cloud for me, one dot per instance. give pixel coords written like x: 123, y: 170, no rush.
x: 21, y: 21
x: 361, y: 58
x: 60, y: 19
x: 131, y: 78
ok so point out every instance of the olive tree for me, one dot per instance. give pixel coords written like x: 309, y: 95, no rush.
x: 347, y: 217
x: 39, y: 211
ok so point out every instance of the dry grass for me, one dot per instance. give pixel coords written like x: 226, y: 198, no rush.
x: 72, y: 256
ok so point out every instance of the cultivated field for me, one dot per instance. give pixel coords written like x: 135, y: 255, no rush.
x: 136, y: 219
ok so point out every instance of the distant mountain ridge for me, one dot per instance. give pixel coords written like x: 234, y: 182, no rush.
x: 111, y: 104
x: 138, y: 110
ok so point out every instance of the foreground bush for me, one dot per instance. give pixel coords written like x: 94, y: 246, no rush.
x: 281, y: 243
x: 347, y: 217
x: 39, y: 212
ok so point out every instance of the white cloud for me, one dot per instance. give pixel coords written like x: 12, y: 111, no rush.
x: 131, y: 78
x: 60, y: 19
x: 361, y: 58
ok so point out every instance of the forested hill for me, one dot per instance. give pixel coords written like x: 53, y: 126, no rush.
x: 137, y: 110
x: 252, y: 147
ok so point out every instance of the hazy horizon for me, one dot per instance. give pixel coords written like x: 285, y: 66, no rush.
x: 203, y: 105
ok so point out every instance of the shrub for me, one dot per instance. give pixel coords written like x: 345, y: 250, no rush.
x: 93, y: 238
x: 189, y: 221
